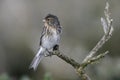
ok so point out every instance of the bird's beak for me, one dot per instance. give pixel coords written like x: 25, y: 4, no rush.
x: 44, y: 20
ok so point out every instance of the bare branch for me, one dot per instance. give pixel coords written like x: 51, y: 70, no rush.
x: 104, y: 24
x: 91, y: 58
x: 66, y: 58
x: 94, y: 59
x: 108, y: 29
x: 83, y: 75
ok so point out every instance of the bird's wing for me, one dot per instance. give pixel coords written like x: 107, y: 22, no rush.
x: 42, y: 34
x: 59, y: 29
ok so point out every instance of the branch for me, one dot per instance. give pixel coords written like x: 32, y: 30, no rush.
x: 108, y: 29
x: 91, y: 58
x: 66, y: 58
x: 94, y: 59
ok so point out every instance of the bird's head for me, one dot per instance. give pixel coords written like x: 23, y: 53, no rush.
x: 51, y: 20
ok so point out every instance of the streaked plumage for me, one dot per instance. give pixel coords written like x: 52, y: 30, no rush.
x: 50, y: 37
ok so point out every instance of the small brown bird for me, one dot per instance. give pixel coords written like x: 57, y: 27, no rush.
x: 50, y: 38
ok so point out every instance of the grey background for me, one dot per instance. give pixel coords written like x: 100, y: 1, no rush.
x: 21, y: 26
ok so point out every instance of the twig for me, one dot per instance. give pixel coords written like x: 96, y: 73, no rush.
x: 83, y: 75
x: 108, y: 29
x: 66, y: 58
x: 94, y: 59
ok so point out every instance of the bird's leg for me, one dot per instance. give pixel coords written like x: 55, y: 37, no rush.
x: 49, y: 53
x: 56, y: 47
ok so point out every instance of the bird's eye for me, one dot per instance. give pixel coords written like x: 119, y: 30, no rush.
x: 48, y: 19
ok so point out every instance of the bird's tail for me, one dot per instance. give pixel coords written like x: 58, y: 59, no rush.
x: 38, y: 57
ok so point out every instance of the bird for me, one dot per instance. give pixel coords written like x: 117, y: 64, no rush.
x: 49, y: 40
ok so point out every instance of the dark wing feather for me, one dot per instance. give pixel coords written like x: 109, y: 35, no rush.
x: 42, y: 34
x: 59, y: 29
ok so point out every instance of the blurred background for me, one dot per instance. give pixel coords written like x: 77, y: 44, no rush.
x: 21, y: 26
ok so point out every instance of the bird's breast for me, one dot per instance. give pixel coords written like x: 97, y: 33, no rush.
x: 51, y: 39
